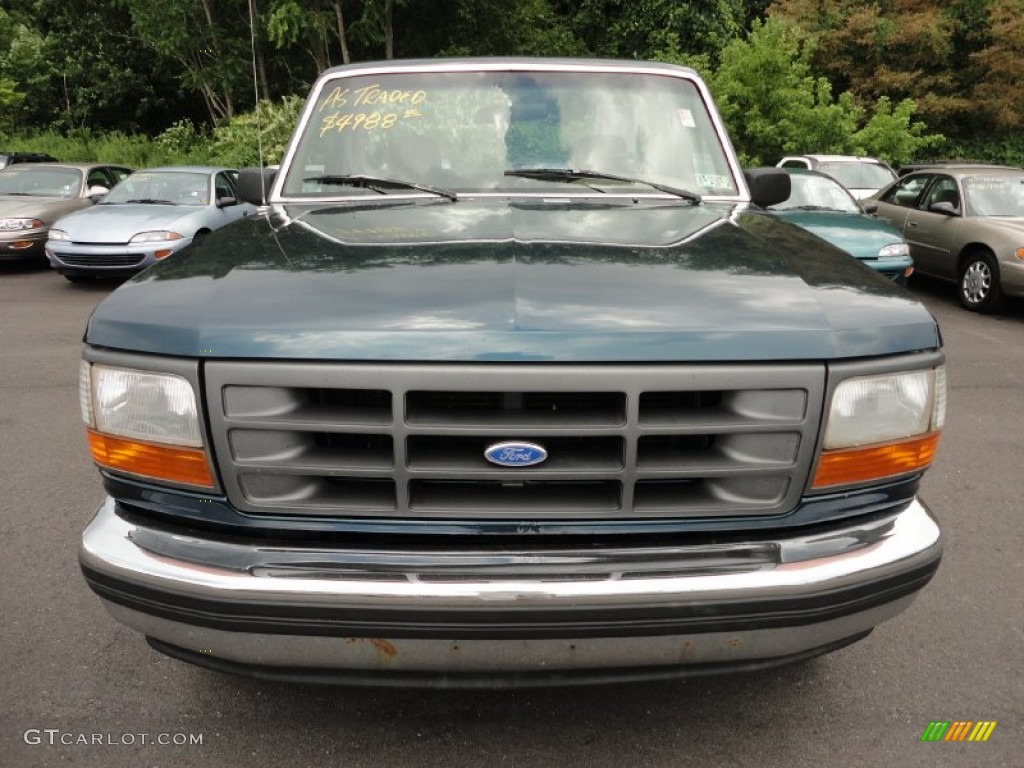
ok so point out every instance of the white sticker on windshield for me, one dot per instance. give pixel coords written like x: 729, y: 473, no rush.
x: 686, y: 118
x: 713, y: 180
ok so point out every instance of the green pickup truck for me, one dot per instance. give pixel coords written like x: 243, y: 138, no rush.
x: 512, y: 380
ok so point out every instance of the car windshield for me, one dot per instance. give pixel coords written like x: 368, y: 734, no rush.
x: 508, y: 132
x: 994, y: 195
x: 40, y: 181
x: 162, y: 188
x: 817, y: 193
x: 858, y: 175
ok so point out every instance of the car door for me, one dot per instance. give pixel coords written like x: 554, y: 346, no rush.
x: 931, y: 232
x: 896, y: 203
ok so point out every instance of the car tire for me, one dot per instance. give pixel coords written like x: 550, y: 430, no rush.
x: 978, y: 288
x: 78, y: 278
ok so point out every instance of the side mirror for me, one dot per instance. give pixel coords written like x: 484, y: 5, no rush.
x: 869, y: 207
x: 768, y: 186
x: 254, y: 184
x: 96, y: 192
x: 226, y: 201
x: 944, y: 207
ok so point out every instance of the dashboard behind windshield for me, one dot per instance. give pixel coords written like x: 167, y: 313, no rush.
x: 464, y: 130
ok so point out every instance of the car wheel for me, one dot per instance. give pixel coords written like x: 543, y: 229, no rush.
x: 78, y: 278
x: 979, y: 283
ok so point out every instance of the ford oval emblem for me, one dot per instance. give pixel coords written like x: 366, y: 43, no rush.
x: 515, y: 454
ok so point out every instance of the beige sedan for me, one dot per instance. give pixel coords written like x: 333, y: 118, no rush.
x: 34, y: 195
x: 965, y: 224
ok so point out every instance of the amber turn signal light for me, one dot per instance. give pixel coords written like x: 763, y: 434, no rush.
x: 875, y: 462
x: 178, y: 465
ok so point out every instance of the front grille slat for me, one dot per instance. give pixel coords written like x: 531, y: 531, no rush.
x: 511, y: 499
x: 630, y: 442
x: 101, y: 260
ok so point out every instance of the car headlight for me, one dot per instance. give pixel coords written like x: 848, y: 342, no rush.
x: 143, y: 423
x: 156, y: 236
x: 11, y: 224
x: 893, y: 250
x: 882, y: 426
x: 59, y: 234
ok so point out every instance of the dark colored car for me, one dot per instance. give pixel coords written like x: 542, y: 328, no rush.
x: 10, y: 158
x: 964, y: 224
x: 512, y: 380
x: 820, y: 204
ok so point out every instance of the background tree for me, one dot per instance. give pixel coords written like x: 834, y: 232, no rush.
x: 774, y: 105
x: 839, y: 80
x: 999, y: 87
x: 959, y: 60
x: 209, y: 41
x: 644, y: 29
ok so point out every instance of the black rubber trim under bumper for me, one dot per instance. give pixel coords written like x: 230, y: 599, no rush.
x: 482, y: 623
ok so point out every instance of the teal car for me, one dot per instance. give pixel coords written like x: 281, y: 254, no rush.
x: 822, y: 206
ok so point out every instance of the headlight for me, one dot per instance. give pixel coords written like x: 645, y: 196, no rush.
x: 882, y: 426
x: 59, y: 234
x: 143, y: 423
x: 11, y: 225
x: 158, y: 236
x: 893, y: 250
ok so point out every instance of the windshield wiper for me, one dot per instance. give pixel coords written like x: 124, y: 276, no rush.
x: 151, y: 201
x: 577, y: 174
x: 376, y: 183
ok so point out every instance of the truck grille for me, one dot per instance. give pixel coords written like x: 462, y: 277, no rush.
x: 408, y: 441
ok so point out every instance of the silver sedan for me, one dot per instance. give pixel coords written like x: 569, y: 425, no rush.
x: 146, y: 218
x: 965, y: 224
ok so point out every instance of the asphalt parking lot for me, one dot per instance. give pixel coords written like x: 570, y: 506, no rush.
x: 70, y: 672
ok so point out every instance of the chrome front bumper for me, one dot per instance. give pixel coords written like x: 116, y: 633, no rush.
x: 544, y: 615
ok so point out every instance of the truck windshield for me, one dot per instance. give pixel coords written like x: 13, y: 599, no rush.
x: 467, y: 131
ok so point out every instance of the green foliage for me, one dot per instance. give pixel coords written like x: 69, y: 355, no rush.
x: 773, y: 104
x: 183, y: 140
x: 84, y: 146
x: 1004, y: 150
x: 891, y: 134
x: 74, y: 71
x: 654, y: 29
x: 9, y: 100
x: 236, y: 141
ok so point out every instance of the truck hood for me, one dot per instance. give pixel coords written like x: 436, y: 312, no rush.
x: 499, y: 280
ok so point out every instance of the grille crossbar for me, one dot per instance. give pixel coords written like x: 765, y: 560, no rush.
x: 630, y: 442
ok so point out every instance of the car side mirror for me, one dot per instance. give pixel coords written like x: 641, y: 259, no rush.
x: 944, y: 207
x: 226, y: 201
x: 96, y: 192
x: 869, y: 207
x: 768, y: 186
x: 254, y: 184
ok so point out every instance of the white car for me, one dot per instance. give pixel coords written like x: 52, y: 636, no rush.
x: 862, y: 176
